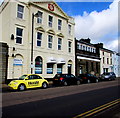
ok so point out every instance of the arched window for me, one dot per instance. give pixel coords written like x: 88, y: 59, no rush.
x: 38, y: 65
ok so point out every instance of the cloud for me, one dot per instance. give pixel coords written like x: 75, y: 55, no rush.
x: 99, y: 26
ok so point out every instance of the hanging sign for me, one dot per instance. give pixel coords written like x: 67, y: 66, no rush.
x: 18, y: 62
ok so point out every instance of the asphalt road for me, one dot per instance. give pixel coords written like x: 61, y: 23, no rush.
x: 59, y: 102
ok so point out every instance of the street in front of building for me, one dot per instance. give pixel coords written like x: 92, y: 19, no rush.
x: 66, y: 102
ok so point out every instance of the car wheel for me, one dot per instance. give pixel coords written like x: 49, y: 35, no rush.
x: 21, y: 87
x: 78, y: 82
x: 44, y: 85
x: 97, y: 81
x: 88, y: 81
x: 65, y: 83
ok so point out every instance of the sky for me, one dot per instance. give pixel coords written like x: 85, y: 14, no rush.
x: 95, y: 20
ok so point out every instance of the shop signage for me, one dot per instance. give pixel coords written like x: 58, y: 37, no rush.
x: 18, y: 62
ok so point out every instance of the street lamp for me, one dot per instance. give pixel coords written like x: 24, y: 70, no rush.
x: 33, y: 15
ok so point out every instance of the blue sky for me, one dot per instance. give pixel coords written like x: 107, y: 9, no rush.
x: 77, y: 8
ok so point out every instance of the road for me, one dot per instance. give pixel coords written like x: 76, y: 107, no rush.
x: 59, y: 102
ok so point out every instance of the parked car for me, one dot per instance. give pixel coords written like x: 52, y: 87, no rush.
x: 88, y: 78
x: 65, y: 79
x: 108, y: 76
x: 28, y: 81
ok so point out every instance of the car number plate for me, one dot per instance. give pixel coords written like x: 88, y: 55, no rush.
x: 56, y: 79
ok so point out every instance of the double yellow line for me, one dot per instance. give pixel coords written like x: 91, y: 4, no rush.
x: 98, y: 109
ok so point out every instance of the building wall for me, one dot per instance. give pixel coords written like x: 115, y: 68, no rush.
x: 106, y: 66
x: 22, y: 52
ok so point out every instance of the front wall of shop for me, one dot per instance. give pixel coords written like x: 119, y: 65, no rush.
x: 85, y: 66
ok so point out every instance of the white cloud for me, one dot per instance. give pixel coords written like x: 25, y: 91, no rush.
x: 99, y: 26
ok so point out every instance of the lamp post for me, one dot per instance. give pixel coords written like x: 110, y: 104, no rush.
x: 33, y: 15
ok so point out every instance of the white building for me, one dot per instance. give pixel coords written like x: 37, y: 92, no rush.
x: 106, y: 60
x: 52, y: 50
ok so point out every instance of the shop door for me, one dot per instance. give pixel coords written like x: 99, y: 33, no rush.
x: 69, y: 68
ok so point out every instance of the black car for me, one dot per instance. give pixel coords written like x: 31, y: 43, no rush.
x: 108, y: 76
x: 88, y: 78
x: 65, y: 79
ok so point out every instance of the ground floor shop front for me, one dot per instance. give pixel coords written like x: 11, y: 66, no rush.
x: 87, y: 65
x: 44, y: 63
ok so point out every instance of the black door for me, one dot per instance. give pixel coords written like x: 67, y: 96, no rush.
x: 69, y: 68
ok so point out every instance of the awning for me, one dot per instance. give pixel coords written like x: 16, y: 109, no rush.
x: 61, y: 61
x: 52, y: 60
x: 85, y: 58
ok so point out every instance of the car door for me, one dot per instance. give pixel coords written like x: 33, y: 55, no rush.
x: 33, y: 81
x: 73, y: 79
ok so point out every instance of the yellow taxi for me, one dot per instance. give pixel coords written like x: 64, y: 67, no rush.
x: 28, y: 81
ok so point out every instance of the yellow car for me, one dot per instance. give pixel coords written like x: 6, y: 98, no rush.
x: 28, y: 81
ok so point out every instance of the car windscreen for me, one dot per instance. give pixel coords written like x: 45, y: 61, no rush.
x: 22, y: 77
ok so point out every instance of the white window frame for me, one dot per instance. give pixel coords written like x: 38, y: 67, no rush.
x: 39, y: 18
x: 69, y: 29
x: 50, y: 42
x: 50, y: 23
x: 60, y: 44
x: 69, y: 46
x: 19, y: 12
x: 59, y: 25
x: 19, y: 36
x: 39, y: 39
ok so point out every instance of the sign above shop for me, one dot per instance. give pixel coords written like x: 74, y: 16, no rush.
x: 51, y: 7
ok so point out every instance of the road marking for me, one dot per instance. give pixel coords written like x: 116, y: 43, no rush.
x: 98, y: 109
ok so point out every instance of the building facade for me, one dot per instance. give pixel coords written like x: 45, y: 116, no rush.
x: 106, y: 60
x: 87, y: 57
x: 40, y: 37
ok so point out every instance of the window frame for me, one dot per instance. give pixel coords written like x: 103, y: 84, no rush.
x: 19, y: 36
x: 50, y: 23
x: 50, y: 42
x: 19, y: 12
x: 39, y: 39
x: 59, y: 25
x: 69, y: 46
x: 60, y: 44
x: 40, y: 17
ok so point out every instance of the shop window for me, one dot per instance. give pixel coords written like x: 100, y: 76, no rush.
x: 49, y: 68
x: 19, y: 33
x: 20, y: 10
x: 38, y: 65
x: 59, y: 69
x: 39, y: 38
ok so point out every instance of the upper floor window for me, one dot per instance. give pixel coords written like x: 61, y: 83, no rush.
x: 20, y: 11
x: 59, y: 43
x: 103, y: 60
x: 69, y: 46
x: 50, y: 21
x: 69, y: 29
x: 89, y: 49
x: 107, y: 60
x: 39, y: 18
x: 50, y: 40
x: 78, y: 46
x: 39, y: 38
x: 83, y: 47
x: 103, y: 53
x: 19, y: 34
x: 59, y: 24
